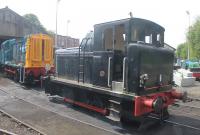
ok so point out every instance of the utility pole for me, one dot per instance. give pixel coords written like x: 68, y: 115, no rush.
x: 68, y: 21
x: 188, y: 47
x: 57, y: 2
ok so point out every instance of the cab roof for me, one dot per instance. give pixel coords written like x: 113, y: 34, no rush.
x: 127, y: 20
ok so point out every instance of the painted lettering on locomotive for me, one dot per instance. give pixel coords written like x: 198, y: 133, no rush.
x: 121, y: 69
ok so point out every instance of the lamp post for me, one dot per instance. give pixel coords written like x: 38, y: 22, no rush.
x: 57, y: 2
x: 68, y: 21
x: 188, y: 47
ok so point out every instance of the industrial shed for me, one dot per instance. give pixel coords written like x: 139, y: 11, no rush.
x: 12, y: 25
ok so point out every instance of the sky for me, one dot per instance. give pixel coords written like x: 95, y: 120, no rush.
x: 83, y: 14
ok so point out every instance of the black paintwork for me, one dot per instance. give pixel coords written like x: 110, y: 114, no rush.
x: 142, y: 58
x: 153, y: 62
x: 151, y: 59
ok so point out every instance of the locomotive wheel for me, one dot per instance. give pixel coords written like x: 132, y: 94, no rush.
x: 128, y: 119
x: 95, y: 101
x: 70, y: 95
x: 5, y: 74
x: 30, y: 79
x: 16, y: 77
x: 165, y: 113
x: 135, y: 123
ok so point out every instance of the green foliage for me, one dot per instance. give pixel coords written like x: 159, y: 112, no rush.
x: 181, y: 51
x: 34, y: 20
x: 193, y: 38
x: 51, y: 33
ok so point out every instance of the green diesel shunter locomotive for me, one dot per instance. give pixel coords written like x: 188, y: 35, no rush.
x: 120, y: 70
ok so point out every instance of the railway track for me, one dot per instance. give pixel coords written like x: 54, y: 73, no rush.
x: 72, y: 118
x: 177, y: 123
x: 189, y: 108
x: 5, y: 132
x: 193, y: 99
x: 110, y: 131
x: 196, y: 108
x: 19, y: 126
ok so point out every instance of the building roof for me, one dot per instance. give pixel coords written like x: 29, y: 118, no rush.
x: 14, y: 25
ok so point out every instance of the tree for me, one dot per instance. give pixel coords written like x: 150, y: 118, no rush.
x: 193, y: 36
x: 50, y: 32
x: 193, y: 39
x: 34, y: 20
x: 181, y: 51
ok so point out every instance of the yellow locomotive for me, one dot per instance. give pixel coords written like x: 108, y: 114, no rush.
x: 28, y: 58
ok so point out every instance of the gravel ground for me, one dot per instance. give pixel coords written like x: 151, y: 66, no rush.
x: 11, y: 125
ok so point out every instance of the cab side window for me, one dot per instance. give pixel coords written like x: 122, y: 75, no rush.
x: 119, y: 38
x: 108, y: 39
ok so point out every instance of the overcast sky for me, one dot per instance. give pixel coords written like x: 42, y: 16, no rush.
x: 83, y: 14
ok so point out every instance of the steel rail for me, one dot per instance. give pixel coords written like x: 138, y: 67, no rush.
x: 190, y: 106
x: 6, y: 132
x: 193, y: 98
x: 186, y: 113
x: 167, y: 121
x: 176, y: 123
x: 23, y: 123
x: 186, y: 109
x: 19, y: 121
x: 72, y: 118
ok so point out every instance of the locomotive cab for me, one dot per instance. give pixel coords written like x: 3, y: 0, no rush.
x: 119, y: 40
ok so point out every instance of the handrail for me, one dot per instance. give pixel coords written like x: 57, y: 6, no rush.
x: 109, y: 62
x: 56, y: 65
x: 22, y: 76
x: 124, y: 72
x: 79, y: 56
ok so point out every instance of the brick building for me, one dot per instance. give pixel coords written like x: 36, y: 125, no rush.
x: 66, y: 42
